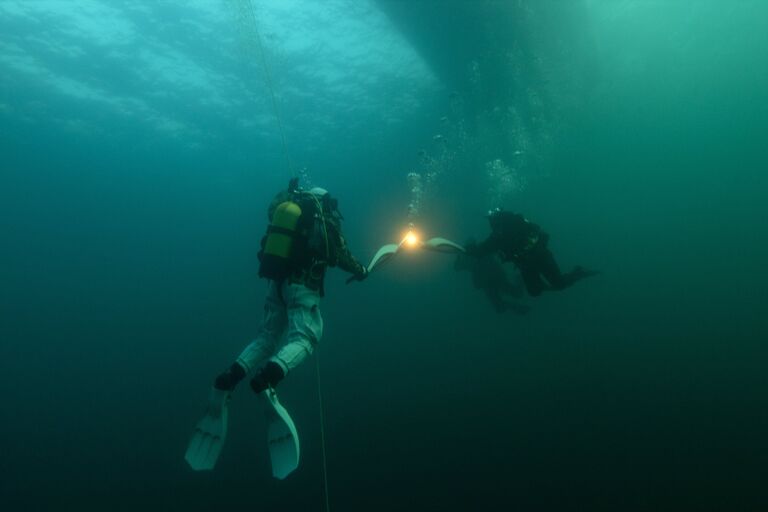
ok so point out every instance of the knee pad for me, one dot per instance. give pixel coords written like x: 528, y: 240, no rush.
x: 268, y: 377
x: 229, y: 379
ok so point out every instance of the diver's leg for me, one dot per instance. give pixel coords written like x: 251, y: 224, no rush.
x: 494, y: 295
x: 265, y: 343
x: 512, y: 288
x: 558, y: 280
x: 551, y: 270
x: 305, y: 328
x: 532, y: 279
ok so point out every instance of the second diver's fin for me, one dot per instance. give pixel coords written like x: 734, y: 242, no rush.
x: 579, y: 273
x: 438, y: 244
x: 281, y: 436
x: 210, y: 433
x: 518, y: 309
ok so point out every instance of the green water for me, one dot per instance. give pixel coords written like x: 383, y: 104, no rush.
x: 139, y: 154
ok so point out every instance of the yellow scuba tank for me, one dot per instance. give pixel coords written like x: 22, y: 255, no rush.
x: 282, y: 230
x: 277, y: 256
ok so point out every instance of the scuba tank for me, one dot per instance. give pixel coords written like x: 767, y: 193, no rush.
x: 295, y: 237
x: 278, y: 245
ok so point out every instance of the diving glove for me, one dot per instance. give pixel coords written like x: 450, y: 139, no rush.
x: 471, y: 248
x: 360, y: 276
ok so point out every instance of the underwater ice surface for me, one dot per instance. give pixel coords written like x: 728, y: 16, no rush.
x: 178, y: 67
x: 140, y: 148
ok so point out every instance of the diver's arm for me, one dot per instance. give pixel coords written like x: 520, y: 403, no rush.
x: 348, y: 263
x: 342, y: 256
x: 488, y: 246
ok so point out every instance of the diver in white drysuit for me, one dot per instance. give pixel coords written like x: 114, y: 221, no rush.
x: 304, y: 239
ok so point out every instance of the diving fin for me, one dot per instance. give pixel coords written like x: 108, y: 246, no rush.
x: 443, y: 245
x: 438, y: 244
x: 282, y: 438
x: 581, y: 273
x: 382, y: 255
x: 210, y: 433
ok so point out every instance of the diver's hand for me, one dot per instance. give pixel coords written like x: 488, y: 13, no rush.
x: 360, y: 276
x: 470, y: 248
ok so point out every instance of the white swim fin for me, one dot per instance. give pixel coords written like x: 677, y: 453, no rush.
x: 442, y: 245
x: 382, y: 256
x: 437, y: 244
x: 281, y: 436
x: 210, y: 433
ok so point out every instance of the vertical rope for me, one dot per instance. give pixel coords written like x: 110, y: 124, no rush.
x: 322, y: 435
x: 251, y: 14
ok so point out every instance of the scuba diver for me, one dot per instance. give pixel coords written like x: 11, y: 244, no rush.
x: 522, y: 242
x: 303, y: 239
x: 489, y: 275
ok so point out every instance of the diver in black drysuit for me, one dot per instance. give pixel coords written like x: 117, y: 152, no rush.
x: 488, y: 275
x: 522, y: 242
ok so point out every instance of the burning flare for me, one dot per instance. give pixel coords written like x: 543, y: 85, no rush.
x: 411, y: 239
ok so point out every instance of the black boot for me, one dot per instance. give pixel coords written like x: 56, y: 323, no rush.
x: 229, y: 379
x: 268, y: 377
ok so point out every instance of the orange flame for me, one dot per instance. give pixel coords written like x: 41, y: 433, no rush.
x: 411, y: 239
